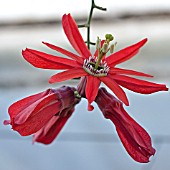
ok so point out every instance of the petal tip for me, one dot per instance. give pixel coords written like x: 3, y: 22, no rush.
x: 90, y: 107
x: 6, y: 122
x: 145, y: 39
x: 50, y: 81
x: 142, y: 42
x: 23, y: 51
x: 127, y: 103
x: 166, y: 88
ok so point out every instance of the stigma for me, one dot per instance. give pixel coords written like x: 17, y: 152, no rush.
x: 89, y: 67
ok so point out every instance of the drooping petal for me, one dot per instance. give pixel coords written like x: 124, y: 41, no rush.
x: 20, y: 105
x: 34, y: 108
x: 139, y: 86
x: 68, y: 74
x: 34, y: 117
x: 47, y: 61
x: 92, y: 86
x: 65, y: 52
x: 117, y: 90
x: 124, y: 54
x: 126, y: 71
x: 135, y: 139
x: 74, y: 36
x: 138, y: 153
x: 50, y: 131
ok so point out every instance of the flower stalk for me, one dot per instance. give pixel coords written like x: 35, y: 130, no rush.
x: 88, y: 23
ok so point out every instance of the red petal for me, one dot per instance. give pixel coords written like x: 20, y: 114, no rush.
x: 125, y: 71
x: 132, y: 149
x: 92, y: 86
x: 20, y: 105
x: 90, y: 107
x: 34, y: 117
x: 35, y: 107
x: 135, y: 139
x: 47, y: 61
x: 65, y: 52
x: 68, y: 74
x: 124, y: 54
x: 7, y: 122
x: 74, y: 36
x: 49, y: 132
x: 139, y: 86
x: 117, y: 90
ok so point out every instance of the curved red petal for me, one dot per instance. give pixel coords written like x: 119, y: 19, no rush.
x: 68, y: 74
x: 39, y: 116
x: 126, y: 71
x: 135, y: 151
x: 117, y: 90
x: 139, y: 86
x: 47, y: 61
x: 65, y: 52
x: 92, y: 86
x: 124, y: 54
x: 50, y: 131
x: 135, y: 139
x: 20, y: 105
x: 74, y: 36
x: 34, y: 108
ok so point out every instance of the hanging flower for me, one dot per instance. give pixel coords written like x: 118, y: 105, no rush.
x: 97, y: 68
x: 135, y: 139
x: 29, y: 115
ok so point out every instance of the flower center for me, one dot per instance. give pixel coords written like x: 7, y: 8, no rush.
x: 97, y: 65
x: 89, y: 67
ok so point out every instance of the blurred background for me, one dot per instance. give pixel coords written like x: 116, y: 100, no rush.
x: 88, y: 141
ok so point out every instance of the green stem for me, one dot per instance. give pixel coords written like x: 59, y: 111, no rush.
x: 87, y: 25
x: 82, y: 26
x: 89, y: 22
x: 93, y: 5
x: 92, y: 43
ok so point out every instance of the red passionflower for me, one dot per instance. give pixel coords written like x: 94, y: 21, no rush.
x: 29, y: 115
x: 135, y: 139
x: 97, y: 68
